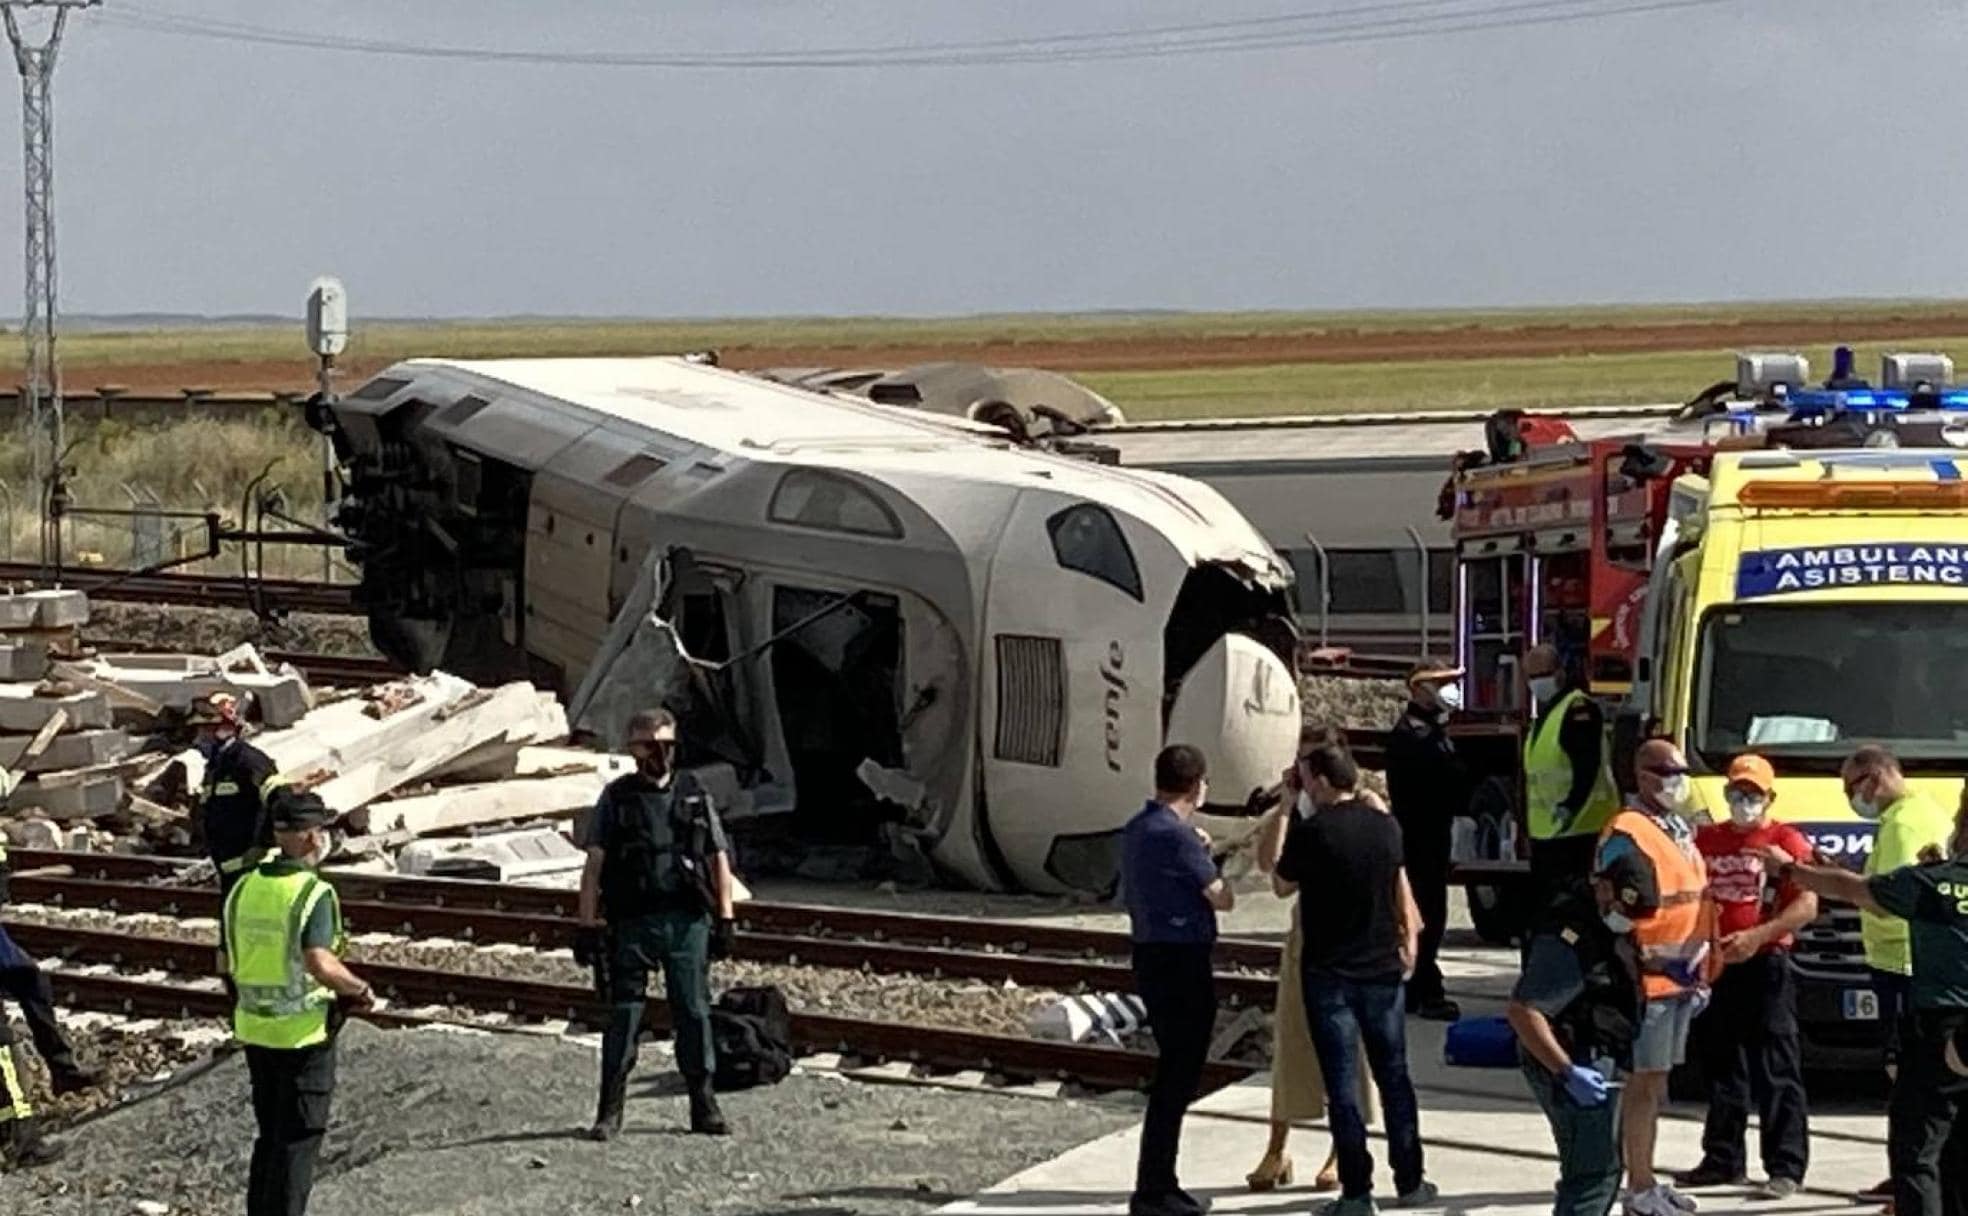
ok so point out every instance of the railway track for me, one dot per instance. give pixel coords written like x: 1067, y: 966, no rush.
x: 196, y: 590
x: 422, y: 996
x: 1033, y: 956
x: 329, y: 669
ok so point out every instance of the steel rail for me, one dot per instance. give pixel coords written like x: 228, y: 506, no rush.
x: 196, y: 590
x: 554, y: 931
x: 934, y: 1048
x: 762, y: 916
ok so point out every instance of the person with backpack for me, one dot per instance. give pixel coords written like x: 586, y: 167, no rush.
x: 656, y: 892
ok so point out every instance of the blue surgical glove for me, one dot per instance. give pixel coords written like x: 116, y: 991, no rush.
x: 1583, y: 1085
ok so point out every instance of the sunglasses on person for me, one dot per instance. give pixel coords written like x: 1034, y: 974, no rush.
x: 1668, y: 770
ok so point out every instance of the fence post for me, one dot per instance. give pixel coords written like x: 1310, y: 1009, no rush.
x: 1325, y: 588
x: 1421, y: 551
x: 147, y: 529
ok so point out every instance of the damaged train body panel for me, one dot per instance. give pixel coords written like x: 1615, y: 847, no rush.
x: 871, y: 618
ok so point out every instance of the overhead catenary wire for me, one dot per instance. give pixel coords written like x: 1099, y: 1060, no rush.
x: 1358, y: 23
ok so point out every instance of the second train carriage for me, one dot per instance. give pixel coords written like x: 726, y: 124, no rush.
x: 997, y: 638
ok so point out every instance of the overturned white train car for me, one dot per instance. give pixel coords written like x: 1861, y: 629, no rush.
x: 869, y: 598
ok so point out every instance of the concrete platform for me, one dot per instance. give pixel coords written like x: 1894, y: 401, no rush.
x: 1488, y: 1146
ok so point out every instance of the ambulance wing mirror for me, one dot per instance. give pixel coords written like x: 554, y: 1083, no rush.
x: 1630, y: 730
x: 1640, y: 703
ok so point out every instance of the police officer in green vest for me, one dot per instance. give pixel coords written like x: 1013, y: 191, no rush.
x: 1568, y: 778
x: 659, y: 876
x: 282, y: 941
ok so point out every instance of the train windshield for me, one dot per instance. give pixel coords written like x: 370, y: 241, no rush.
x: 1806, y: 683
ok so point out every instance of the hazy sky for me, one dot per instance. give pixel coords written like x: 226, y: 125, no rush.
x: 1789, y: 148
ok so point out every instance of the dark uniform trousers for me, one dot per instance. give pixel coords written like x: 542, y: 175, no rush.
x: 679, y: 943
x: 22, y: 982
x: 1178, y: 987
x: 1749, y: 1049
x: 1925, y: 1143
x: 291, y: 1093
x: 1426, y: 849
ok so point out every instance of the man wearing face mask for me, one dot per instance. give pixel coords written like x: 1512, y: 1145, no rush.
x: 1748, y: 1038
x: 1907, y: 825
x: 1925, y: 1141
x: 232, y: 799
x: 1428, y: 788
x: 1568, y: 781
x: 1576, y: 1009
x: 281, y: 940
x: 659, y: 876
x: 1654, y: 838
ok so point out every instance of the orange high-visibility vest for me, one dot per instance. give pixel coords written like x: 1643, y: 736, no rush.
x: 1677, y: 934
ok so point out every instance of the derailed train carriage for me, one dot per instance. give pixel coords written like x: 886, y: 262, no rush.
x: 877, y: 616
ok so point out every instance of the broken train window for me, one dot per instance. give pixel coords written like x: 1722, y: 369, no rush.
x: 1086, y: 538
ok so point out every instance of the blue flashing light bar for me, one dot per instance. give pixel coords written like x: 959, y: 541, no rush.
x: 1812, y: 401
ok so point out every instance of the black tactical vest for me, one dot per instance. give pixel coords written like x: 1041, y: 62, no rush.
x: 1606, y: 1016
x: 651, y: 861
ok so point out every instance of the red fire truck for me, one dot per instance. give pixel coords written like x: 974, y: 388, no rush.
x: 1786, y: 574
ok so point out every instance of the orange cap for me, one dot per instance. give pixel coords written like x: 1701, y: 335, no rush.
x: 1752, y: 769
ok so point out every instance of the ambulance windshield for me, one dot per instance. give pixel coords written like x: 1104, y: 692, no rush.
x: 1806, y: 683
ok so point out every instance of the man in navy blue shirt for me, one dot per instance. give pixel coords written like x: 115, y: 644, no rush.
x: 1173, y: 894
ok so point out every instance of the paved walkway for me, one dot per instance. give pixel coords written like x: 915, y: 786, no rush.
x: 1488, y: 1146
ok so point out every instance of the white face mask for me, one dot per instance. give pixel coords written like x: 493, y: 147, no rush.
x: 1449, y: 697
x: 1618, y: 922
x: 1304, y: 805
x: 1864, y: 808
x: 1677, y: 793
x: 1746, y: 810
x: 1542, y: 688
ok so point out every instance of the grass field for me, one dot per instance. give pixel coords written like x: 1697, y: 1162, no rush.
x: 522, y: 337
x: 1154, y: 365
x: 1317, y: 388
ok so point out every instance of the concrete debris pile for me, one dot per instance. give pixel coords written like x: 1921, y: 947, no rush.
x: 99, y: 753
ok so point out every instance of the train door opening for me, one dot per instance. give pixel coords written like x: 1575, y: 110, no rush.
x: 837, y: 676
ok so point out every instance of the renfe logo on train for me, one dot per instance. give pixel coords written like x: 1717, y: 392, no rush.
x: 1110, y: 671
x: 1818, y: 567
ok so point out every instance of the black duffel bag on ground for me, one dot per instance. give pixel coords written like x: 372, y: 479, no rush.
x: 752, y: 1033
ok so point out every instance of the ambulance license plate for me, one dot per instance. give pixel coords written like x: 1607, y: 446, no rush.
x: 1861, y: 1005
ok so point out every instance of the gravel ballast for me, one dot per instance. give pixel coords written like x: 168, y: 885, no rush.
x: 429, y: 1123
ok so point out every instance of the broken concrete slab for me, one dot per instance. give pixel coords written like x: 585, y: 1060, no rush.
x: 421, y: 738
x: 499, y: 761
x: 175, y: 681
x: 469, y: 805
x: 82, y: 800
x: 339, y: 736
x: 24, y: 710
x: 501, y: 857
x: 77, y: 749
x: 43, y: 610
x: 23, y: 659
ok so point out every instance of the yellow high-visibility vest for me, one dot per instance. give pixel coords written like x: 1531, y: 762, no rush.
x: 1548, y: 779
x: 280, y: 1005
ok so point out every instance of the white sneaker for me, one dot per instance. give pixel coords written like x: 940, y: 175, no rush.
x: 1679, y: 1200
x: 1654, y: 1201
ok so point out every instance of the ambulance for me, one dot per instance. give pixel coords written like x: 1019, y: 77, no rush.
x: 1781, y: 569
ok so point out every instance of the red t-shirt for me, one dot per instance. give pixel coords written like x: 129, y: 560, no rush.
x: 1736, y: 880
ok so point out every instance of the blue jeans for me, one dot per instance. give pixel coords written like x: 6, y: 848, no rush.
x: 1343, y: 1013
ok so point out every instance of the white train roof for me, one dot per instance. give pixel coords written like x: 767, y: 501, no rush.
x: 922, y: 454
x: 1339, y: 439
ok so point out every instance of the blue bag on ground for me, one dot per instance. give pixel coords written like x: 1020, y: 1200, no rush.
x: 1482, y: 1043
